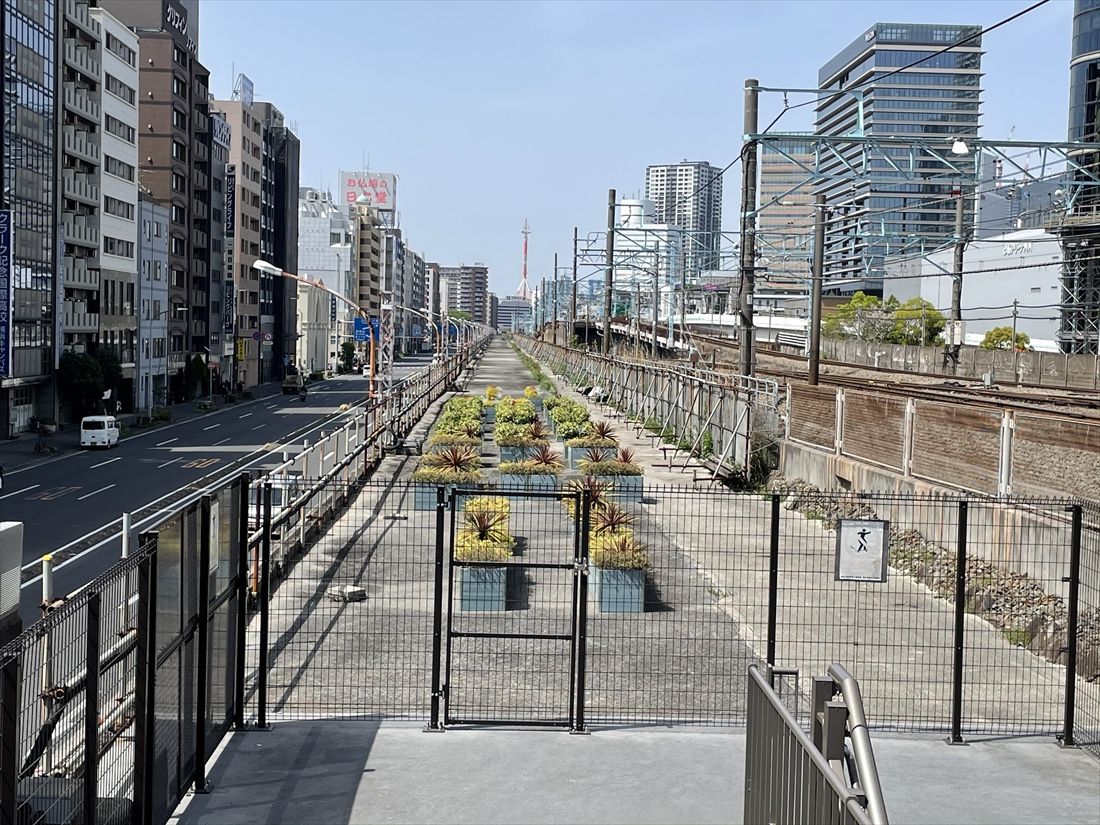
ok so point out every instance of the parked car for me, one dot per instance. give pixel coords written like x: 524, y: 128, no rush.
x: 98, y: 431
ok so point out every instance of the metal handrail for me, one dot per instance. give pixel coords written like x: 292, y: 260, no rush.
x: 866, y: 768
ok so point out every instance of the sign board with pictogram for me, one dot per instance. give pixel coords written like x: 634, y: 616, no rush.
x: 862, y: 547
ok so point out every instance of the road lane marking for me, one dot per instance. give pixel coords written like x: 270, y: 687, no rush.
x: 169, y: 441
x: 108, y: 461
x: 17, y: 492
x: 89, y: 495
x: 200, y: 463
x: 256, y: 427
x: 244, y: 416
x: 219, y: 443
x: 272, y: 406
x: 212, y: 426
x: 166, y: 463
x: 52, y: 493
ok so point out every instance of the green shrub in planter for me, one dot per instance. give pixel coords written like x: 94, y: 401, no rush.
x: 440, y: 440
x: 451, y: 466
x: 540, y: 472
x: 625, y: 476
x: 483, y: 538
x: 619, y: 562
x: 515, y: 411
x: 600, y: 436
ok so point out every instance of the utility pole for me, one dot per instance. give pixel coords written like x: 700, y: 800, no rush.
x: 748, y: 225
x: 656, y: 309
x: 815, y: 296
x: 951, y: 350
x: 556, y: 298
x: 1015, y: 312
x: 638, y: 317
x: 573, y: 296
x: 610, y: 252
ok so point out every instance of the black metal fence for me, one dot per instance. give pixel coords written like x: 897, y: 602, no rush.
x: 986, y: 622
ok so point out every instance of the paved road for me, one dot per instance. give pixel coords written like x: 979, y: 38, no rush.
x: 71, y: 505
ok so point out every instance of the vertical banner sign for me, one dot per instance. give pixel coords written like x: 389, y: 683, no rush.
x: 229, y: 301
x: 59, y: 291
x: 6, y: 291
x: 230, y: 200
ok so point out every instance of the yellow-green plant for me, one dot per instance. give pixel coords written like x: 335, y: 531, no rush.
x: 484, y: 537
x: 620, y: 551
x: 489, y: 504
x: 530, y: 392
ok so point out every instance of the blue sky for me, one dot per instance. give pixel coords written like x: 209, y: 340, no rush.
x: 492, y: 112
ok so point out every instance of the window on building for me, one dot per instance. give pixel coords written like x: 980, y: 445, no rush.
x: 179, y: 182
x: 179, y: 88
x: 117, y: 246
x: 179, y: 56
x: 178, y: 246
x: 179, y: 151
x: 179, y: 214
x: 121, y: 50
x: 116, y: 167
x: 119, y: 89
x: 119, y: 129
x: 120, y: 209
x: 179, y: 119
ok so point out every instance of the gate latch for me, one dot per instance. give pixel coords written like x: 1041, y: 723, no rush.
x: 581, y: 566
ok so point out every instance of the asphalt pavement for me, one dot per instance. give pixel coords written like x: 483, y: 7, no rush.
x: 71, y: 505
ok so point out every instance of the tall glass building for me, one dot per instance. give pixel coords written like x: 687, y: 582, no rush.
x: 937, y: 101
x: 30, y: 180
x: 1079, y: 324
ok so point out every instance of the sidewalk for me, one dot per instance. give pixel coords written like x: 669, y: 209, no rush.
x: 18, y: 453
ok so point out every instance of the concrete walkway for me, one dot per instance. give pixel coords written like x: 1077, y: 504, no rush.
x: 367, y: 772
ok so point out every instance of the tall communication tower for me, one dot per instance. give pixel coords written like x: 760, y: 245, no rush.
x: 524, y: 290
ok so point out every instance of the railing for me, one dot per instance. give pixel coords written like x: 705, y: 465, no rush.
x: 727, y: 421
x: 791, y: 777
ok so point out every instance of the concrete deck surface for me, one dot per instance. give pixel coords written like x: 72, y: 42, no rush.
x: 365, y: 772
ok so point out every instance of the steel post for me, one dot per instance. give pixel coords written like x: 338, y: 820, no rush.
x: 242, y: 602
x: 814, y: 345
x: 1066, y: 739
x: 91, y: 711
x: 264, y: 595
x: 202, y: 652
x: 145, y: 678
x: 437, y: 607
x: 609, y: 273
x: 960, y: 634
x: 773, y: 578
x: 748, y: 224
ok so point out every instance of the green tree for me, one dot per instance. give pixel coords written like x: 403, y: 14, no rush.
x: 196, y: 377
x: 864, y: 317
x: 916, y: 322
x: 1001, y: 338
x: 80, y: 379
x: 460, y: 315
x: 347, y: 355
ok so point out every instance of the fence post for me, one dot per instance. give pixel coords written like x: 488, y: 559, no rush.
x: 265, y: 585
x: 1065, y: 739
x: 242, y: 601
x: 9, y: 738
x: 91, y: 711
x: 145, y: 748
x: 1004, y: 463
x: 203, y: 645
x: 908, y: 432
x: 960, y: 635
x: 437, y: 609
x: 584, y: 506
x: 773, y: 578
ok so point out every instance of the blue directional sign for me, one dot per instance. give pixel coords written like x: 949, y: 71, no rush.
x: 361, y: 330
x: 376, y: 325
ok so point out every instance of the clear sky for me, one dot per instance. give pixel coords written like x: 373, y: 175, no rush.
x: 492, y: 112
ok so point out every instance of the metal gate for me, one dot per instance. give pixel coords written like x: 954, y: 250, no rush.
x: 515, y: 609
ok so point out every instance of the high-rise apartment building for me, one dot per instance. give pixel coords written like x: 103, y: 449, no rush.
x: 784, y: 228
x: 30, y: 337
x: 152, y: 355
x: 81, y: 75
x: 222, y: 300
x: 689, y: 195
x: 174, y: 165
x: 1079, y: 322
x: 326, y: 251
x: 467, y: 290
x: 368, y: 240
x: 936, y: 101
x: 118, y: 226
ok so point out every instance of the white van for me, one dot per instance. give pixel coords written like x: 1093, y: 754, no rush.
x: 98, y: 431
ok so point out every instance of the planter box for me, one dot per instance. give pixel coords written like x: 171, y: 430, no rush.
x: 619, y: 591
x: 490, y: 414
x: 626, y: 488
x: 536, y: 402
x: 515, y: 453
x: 513, y: 481
x: 425, y: 495
x: 542, y: 482
x: 481, y: 588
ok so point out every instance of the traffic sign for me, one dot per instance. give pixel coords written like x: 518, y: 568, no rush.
x: 257, y: 335
x: 268, y: 337
x: 361, y: 330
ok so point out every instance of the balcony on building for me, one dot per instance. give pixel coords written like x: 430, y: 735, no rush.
x: 79, y: 186
x: 78, y: 142
x: 198, y: 298
x: 201, y: 179
x: 200, y: 123
x: 201, y: 153
x: 199, y: 210
x: 80, y: 229
x: 78, y: 319
x: 79, y: 17
x: 199, y: 238
x: 198, y: 327
x: 80, y: 103
x: 199, y: 269
x: 79, y: 274
x: 83, y: 60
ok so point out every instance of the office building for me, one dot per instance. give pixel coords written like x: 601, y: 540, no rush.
x: 1009, y: 203
x: 118, y: 239
x: 416, y: 295
x: 152, y: 355
x: 513, y: 315
x: 1079, y: 326
x: 222, y: 299
x: 82, y: 74
x: 467, y: 290
x: 935, y: 103
x: 368, y: 237
x: 784, y: 227
x: 174, y: 166
x: 326, y: 252
x: 689, y: 195
x: 31, y: 337
x: 494, y: 310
